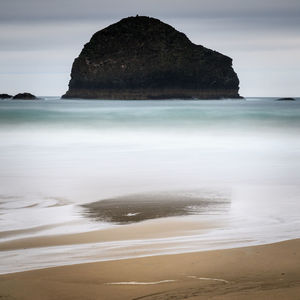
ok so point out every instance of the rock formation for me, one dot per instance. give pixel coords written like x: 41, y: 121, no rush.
x: 5, y: 96
x: 286, y: 99
x: 25, y: 96
x: 144, y: 58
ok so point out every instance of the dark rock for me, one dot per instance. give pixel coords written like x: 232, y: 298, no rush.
x: 144, y: 58
x: 25, y: 96
x: 286, y: 99
x: 5, y: 96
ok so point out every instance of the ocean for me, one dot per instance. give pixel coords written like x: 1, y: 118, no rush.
x: 78, y: 166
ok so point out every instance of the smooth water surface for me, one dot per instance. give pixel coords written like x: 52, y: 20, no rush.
x: 56, y: 156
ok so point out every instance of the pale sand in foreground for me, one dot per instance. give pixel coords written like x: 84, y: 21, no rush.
x: 260, y: 272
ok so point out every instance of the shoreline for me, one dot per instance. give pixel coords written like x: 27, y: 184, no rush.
x: 256, y: 272
x: 151, y: 237
x: 149, y: 229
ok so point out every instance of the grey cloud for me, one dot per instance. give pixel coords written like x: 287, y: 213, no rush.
x: 36, y: 10
x: 46, y: 36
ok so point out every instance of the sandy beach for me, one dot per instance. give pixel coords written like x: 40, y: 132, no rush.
x: 259, y: 272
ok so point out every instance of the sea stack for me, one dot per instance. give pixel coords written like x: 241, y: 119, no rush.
x: 144, y: 58
x: 5, y: 96
x: 286, y: 99
x: 24, y: 96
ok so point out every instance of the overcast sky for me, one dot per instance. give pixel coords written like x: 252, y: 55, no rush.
x: 40, y: 39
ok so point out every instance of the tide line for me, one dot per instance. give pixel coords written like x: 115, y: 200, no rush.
x: 138, y: 282
x: 207, y: 278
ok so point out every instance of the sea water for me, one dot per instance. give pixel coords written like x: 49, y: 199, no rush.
x: 58, y: 155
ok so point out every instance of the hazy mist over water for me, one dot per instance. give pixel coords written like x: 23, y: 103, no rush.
x: 125, y: 142
x: 56, y: 155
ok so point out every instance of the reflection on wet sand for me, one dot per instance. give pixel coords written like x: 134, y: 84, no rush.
x: 140, y: 207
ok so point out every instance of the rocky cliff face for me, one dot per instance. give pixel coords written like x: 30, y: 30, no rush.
x: 144, y: 58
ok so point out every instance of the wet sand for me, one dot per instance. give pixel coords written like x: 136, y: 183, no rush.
x: 142, y: 216
x: 163, y: 228
x: 140, y: 207
x: 259, y: 272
